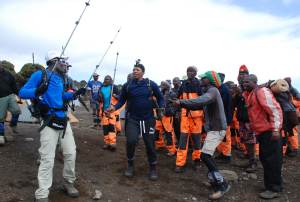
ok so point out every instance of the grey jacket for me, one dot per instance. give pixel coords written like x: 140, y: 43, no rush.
x: 212, y: 104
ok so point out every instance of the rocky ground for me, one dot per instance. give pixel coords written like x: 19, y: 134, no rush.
x: 103, y: 171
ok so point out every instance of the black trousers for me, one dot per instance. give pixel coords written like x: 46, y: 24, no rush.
x: 270, y: 155
x: 133, y: 130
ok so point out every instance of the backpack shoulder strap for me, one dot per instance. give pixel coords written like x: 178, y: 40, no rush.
x: 148, y: 81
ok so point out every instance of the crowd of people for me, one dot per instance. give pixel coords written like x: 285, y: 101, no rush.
x: 197, y: 116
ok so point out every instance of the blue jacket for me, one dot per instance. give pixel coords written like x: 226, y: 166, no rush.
x: 53, y: 97
x: 139, y: 99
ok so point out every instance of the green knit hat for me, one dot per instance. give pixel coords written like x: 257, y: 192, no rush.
x: 213, y: 77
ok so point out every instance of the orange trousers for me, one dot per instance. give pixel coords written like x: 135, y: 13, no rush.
x: 165, y: 136
x: 225, y: 146
x: 190, y: 130
x: 109, y: 129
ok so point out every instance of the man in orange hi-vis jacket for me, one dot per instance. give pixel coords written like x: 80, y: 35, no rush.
x: 191, y: 122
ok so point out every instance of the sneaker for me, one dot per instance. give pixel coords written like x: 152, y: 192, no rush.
x: 2, y: 140
x: 179, y: 169
x: 42, y: 200
x: 129, y: 171
x: 218, y: 194
x: 70, y: 189
x: 269, y: 194
x: 252, y: 168
x: 153, y: 173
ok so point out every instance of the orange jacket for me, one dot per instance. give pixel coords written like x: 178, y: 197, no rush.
x: 264, y: 111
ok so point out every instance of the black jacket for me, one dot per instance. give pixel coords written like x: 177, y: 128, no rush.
x: 7, y: 84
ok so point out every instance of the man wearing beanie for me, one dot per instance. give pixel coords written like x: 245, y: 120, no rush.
x: 138, y: 94
x: 243, y: 71
x: 215, y: 125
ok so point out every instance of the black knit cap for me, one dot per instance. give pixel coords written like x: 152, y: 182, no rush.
x: 140, y: 66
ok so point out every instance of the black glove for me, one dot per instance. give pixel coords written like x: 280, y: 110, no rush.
x: 80, y: 91
x: 41, y: 89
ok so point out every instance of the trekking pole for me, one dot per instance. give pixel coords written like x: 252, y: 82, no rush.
x: 101, y: 60
x: 69, y: 39
x: 112, y: 85
x: 113, y: 82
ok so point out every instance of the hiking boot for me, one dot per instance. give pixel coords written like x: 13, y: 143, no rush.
x: 252, y: 168
x: 197, y: 164
x: 225, y: 187
x: 179, y: 169
x: 14, y: 129
x: 223, y: 158
x: 153, y: 173
x: 269, y: 194
x: 2, y: 140
x: 70, y: 189
x: 129, y: 170
x: 106, y: 146
x: 42, y: 200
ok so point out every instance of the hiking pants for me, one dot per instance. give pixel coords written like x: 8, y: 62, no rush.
x: 270, y: 156
x: 49, y: 139
x: 109, y: 129
x: 133, y: 130
x: 165, y: 137
x: 190, y: 128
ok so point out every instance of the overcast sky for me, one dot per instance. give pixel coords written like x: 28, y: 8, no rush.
x: 167, y: 35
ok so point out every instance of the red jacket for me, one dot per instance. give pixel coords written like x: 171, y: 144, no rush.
x: 264, y: 111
